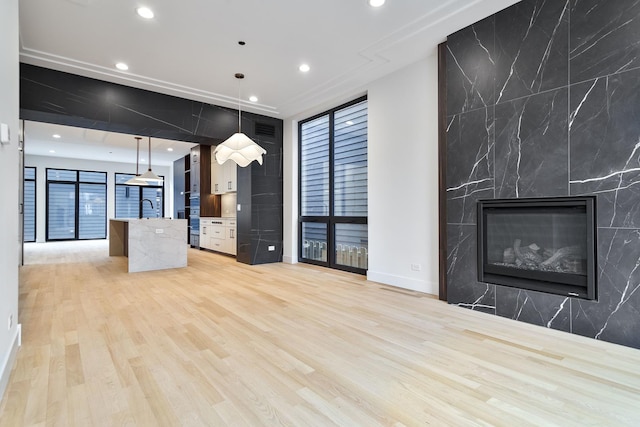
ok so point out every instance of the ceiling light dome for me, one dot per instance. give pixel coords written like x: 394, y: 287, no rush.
x: 145, y: 12
x: 376, y: 3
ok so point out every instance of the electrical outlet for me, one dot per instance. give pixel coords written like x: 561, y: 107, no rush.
x: 10, y: 322
x: 271, y: 248
x: 416, y: 267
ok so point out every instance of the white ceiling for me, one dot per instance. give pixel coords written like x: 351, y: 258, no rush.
x: 190, y: 49
x: 89, y: 144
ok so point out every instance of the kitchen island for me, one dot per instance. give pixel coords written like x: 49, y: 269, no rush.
x: 150, y: 244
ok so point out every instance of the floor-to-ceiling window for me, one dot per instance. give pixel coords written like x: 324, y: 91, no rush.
x: 333, y: 188
x: 134, y: 201
x: 76, y: 204
x: 29, y: 205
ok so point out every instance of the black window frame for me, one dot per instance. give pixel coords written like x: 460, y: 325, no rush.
x: 35, y: 203
x: 330, y: 220
x: 115, y: 193
x: 77, y: 184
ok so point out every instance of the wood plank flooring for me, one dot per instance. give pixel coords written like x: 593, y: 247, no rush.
x: 224, y: 344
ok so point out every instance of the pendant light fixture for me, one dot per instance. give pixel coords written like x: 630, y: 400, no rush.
x: 136, y: 179
x: 149, y: 176
x: 239, y: 147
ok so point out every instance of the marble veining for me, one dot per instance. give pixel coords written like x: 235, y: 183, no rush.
x: 156, y: 119
x: 604, y: 38
x: 605, y: 146
x: 470, y: 75
x: 149, y: 250
x: 532, y: 146
x: 470, y: 145
x: 537, y: 308
x: 531, y: 44
x: 615, y: 316
x: 561, y: 119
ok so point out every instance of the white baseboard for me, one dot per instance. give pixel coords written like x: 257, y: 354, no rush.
x: 289, y: 259
x: 404, y: 282
x: 9, y: 360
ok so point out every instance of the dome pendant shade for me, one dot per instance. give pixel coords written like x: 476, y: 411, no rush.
x: 149, y: 176
x: 239, y: 148
x: 136, y: 181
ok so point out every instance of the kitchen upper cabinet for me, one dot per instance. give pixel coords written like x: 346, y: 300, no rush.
x: 223, y: 177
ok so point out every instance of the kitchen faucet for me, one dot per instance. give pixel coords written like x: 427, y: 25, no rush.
x: 150, y: 202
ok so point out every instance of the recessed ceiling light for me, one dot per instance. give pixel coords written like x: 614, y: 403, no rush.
x: 56, y: 136
x: 253, y: 98
x: 169, y: 149
x: 304, y: 68
x: 376, y: 3
x: 145, y: 12
x: 122, y: 66
x: 52, y: 151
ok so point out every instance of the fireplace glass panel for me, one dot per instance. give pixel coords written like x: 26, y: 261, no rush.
x: 545, y: 245
x: 552, y: 241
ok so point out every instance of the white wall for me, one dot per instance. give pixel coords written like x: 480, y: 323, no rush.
x: 9, y: 224
x: 44, y: 162
x: 403, y: 177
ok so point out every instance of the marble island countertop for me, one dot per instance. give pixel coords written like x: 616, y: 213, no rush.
x: 150, y: 244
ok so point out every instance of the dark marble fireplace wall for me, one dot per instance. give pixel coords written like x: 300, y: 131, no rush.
x: 543, y: 99
x: 57, y: 97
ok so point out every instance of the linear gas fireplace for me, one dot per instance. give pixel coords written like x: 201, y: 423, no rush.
x: 546, y: 245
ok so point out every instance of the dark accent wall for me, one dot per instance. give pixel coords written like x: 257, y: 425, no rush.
x: 543, y: 99
x: 57, y: 97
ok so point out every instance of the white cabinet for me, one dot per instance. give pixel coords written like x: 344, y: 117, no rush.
x: 205, y: 233
x: 218, y: 234
x: 223, y: 177
x: 231, y: 229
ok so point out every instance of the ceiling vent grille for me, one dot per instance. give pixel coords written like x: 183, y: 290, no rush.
x: 265, y: 129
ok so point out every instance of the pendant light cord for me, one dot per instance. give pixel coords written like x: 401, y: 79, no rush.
x: 239, y: 76
x: 149, y: 153
x: 137, y: 154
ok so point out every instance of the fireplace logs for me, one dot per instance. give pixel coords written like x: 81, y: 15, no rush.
x: 533, y: 257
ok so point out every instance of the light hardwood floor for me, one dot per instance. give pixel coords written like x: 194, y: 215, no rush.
x: 221, y: 343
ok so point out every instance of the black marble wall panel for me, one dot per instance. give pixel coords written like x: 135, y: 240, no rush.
x: 470, y: 145
x: 603, y: 38
x: 532, y: 48
x: 563, y: 121
x: 464, y: 290
x: 266, y: 203
x: 615, y: 316
x: 551, y: 311
x: 532, y: 146
x: 471, y: 68
x: 605, y: 146
x: 56, y: 97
